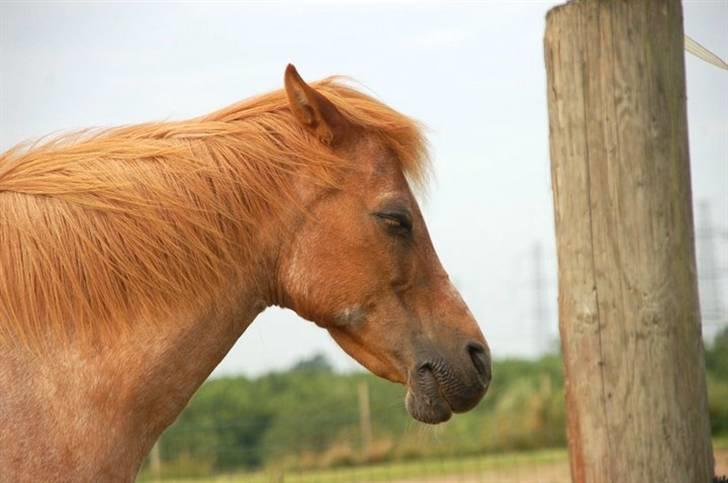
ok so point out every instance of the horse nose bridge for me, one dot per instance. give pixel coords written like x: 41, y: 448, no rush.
x: 451, y: 312
x: 443, y: 319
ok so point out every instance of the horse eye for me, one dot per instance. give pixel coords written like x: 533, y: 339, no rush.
x: 397, y: 222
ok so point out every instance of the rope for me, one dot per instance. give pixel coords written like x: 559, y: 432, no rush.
x: 702, y: 53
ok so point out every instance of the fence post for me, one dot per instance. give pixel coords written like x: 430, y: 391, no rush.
x: 365, y: 420
x: 628, y: 302
x: 155, y: 461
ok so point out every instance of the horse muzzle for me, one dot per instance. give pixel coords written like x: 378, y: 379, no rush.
x: 438, y: 387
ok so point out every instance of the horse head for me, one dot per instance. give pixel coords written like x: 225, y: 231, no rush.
x: 361, y: 264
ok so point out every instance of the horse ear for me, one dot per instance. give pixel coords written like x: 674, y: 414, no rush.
x: 312, y: 109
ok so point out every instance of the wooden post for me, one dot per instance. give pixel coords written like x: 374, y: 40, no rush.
x: 628, y: 302
x: 155, y: 461
x: 365, y: 420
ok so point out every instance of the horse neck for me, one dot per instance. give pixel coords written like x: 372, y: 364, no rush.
x: 91, y: 412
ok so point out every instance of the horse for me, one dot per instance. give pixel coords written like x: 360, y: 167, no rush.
x: 134, y: 257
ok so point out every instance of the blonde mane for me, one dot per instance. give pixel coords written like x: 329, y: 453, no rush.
x: 101, y: 228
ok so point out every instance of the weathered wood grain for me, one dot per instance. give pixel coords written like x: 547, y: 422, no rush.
x: 628, y: 300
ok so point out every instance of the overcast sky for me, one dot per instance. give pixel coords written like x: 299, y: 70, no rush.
x: 473, y: 73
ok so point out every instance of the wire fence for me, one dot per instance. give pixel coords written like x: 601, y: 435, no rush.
x: 387, y: 459
x: 517, y: 436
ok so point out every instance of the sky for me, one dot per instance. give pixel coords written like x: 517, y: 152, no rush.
x: 473, y: 73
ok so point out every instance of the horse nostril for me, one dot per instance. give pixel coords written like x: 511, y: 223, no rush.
x: 481, y: 360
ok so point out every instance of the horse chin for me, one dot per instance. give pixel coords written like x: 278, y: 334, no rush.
x: 428, y: 405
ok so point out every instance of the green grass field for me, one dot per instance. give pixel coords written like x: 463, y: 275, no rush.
x: 430, y: 470
x: 549, y: 466
x: 414, y: 470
